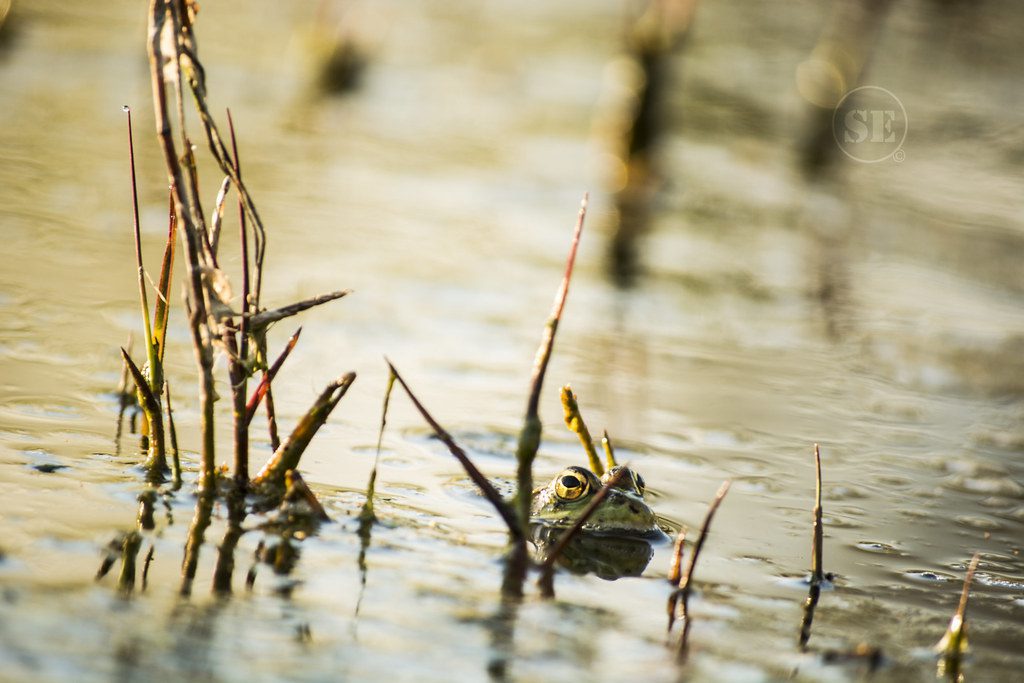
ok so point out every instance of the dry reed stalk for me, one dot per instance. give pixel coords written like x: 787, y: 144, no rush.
x: 529, y: 436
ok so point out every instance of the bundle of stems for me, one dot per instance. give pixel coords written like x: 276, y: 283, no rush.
x: 216, y: 322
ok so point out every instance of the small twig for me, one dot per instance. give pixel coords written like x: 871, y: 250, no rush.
x: 193, y: 70
x: 217, y: 218
x: 366, y: 515
x: 686, y: 581
x: 173, y: 433
x: 702, y: 536
x: 269, y: 375
x: 151, y: 354
x: 238, y: 373
x: 817, y: 570
x: 574, y: 421
x: 287, y: 456
x: 485, y: 486
x: 609, y: 451
x: 953, y: 644
x: 546, y: 580
x: 241, y: 366
x: 818, y: 575
x: 125, y: 398
x: 113, y: 548
x: 261, y: 320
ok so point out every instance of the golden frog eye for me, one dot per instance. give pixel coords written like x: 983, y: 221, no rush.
x: 571, y: 486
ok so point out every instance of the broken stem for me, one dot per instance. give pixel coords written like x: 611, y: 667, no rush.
x: 609, y: 451
x: 574, y: 421
x: 261, y: 320
x: 288, y: 455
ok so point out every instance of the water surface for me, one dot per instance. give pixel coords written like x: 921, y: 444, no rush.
x: 878, y: 313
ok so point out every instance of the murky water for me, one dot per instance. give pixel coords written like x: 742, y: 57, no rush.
x: 879, y: 314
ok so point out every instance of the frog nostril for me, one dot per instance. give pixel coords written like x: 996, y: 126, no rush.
x: 634, y: 509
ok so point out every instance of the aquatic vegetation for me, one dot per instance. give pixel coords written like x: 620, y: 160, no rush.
x: 214, y: 325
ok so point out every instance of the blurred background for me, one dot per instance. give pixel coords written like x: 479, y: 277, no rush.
x: 747, y: 286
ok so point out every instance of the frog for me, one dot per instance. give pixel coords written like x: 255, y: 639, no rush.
x: 624, y: 511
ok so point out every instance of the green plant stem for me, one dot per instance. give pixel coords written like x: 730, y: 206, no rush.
x: 529, y: 436
x: 156, y: 460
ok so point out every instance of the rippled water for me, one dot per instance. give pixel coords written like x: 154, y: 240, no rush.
x: 879, y: 314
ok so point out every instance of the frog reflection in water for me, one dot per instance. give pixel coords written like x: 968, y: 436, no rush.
x: 616, y: 539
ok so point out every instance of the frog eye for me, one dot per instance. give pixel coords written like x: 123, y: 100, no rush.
x: 571, y: 486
